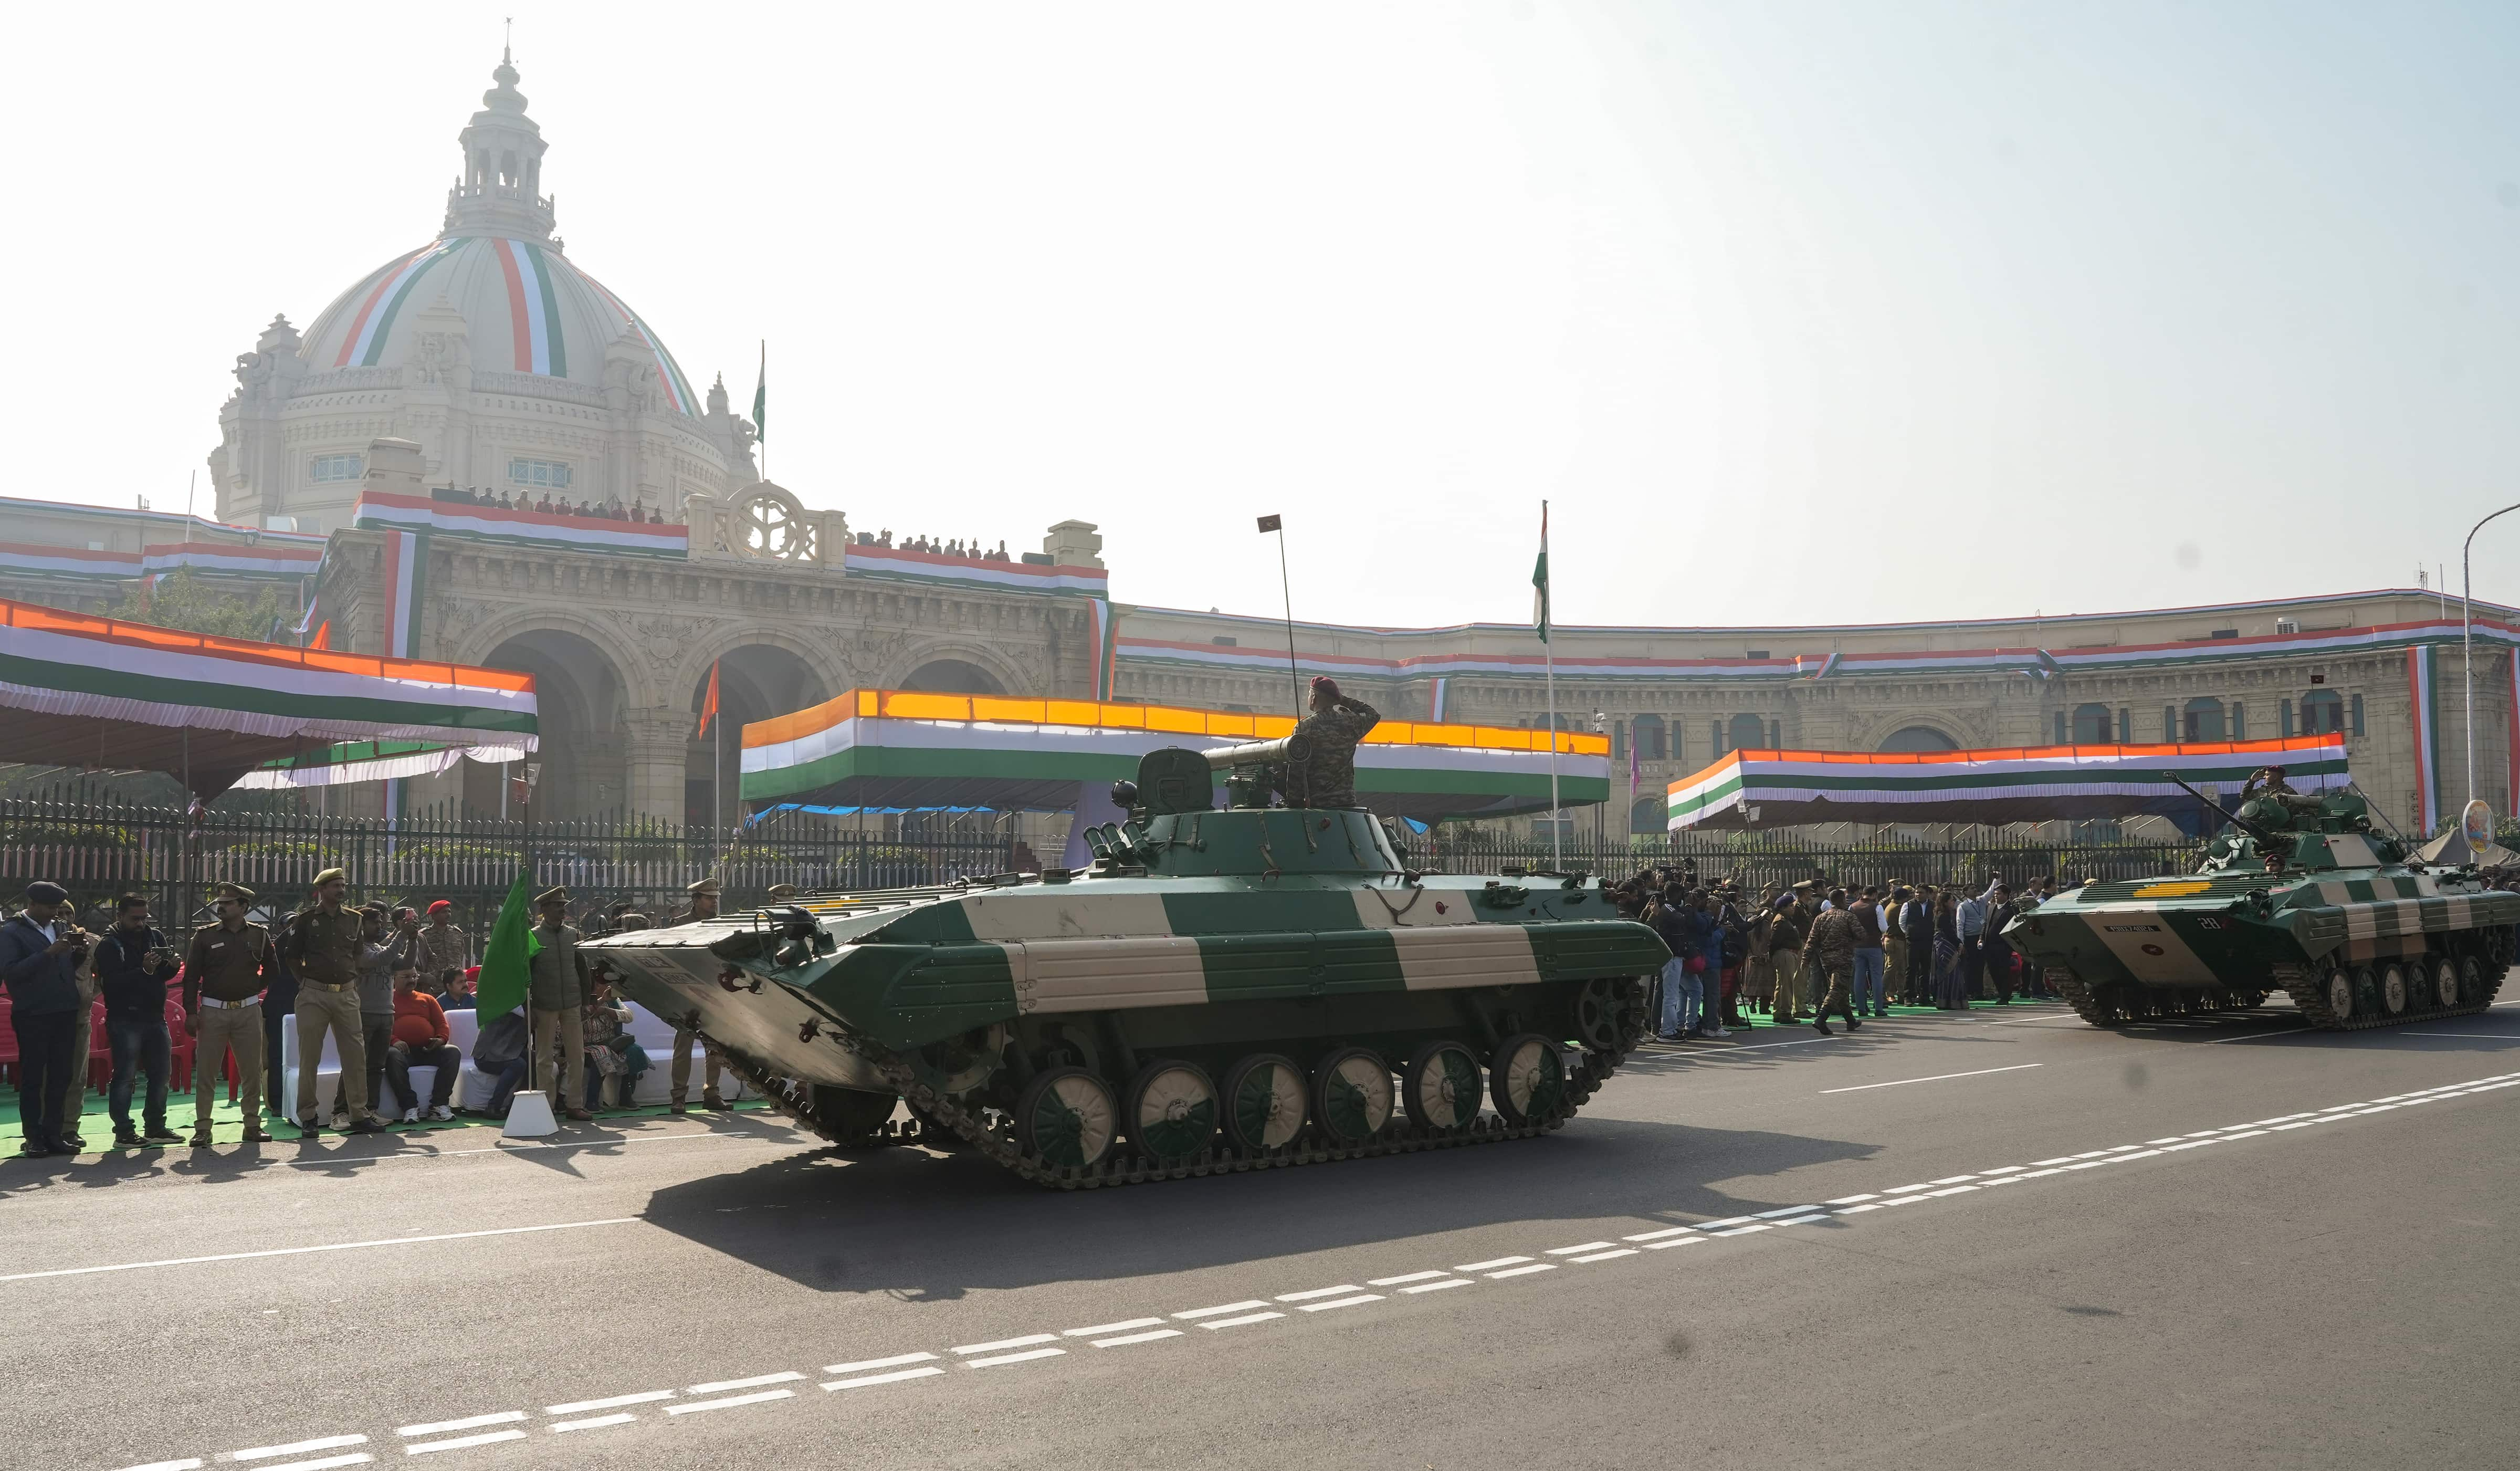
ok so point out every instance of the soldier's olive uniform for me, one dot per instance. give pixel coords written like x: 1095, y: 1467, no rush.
x: 323, y: 947
x: 224, y: 976
x: 1832, y: 950
x: 678, y: 1074
x: 1327, y: 778
x: 557, y: 991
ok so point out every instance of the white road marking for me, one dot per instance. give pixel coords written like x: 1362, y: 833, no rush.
x: 1200, y: 1312
x: 1808, y: 1219
x: 2251, y: 1135
x: 1954, y: 1190
x: 1952, y: 1180
x: 298, y: 1447
x: 475, y: 1422
x: 1138, y: 1338
x: 895, y: 1377
x: 1568, y: 1251
x: 1026, y: 1341
x: 1237, y: 1322
x: 1678, y: 1230
x: 1415, y: 1276
x: 1787, y: 1211
x: 300, y: 1251
x: 789, y: 1376
x: 1123, y: 1326
x: 595, y: 1422
x: 188, y: 1464
x: 864, y: 1364
x: 1909, y: 1190
x: 1026, y: 1357
x: 1937, y: 1078
x: 1317, y: 1291
x: 2001, y: 1169
x: 1708, y: 1226
x: 1857, y: 1210
x: 1485, y: 1265
x: 1522, y: 1272
x: 2466, y: 1037
x: 1625, y: 1251
x: 1655, y: 1245
x: 464, y: 1441
x: 1744, y: 1230
x: 580, y: 1406
x: 325, y: 1463
x: 1440, y: 1286
x: 1846, y: 1199
x: 1362, y: 1297
x: 730, y: 1402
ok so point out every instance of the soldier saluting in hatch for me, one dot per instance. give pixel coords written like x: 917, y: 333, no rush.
x: 1327, y: 776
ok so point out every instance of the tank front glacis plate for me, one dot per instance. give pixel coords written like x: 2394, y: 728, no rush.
x: 996, y: 955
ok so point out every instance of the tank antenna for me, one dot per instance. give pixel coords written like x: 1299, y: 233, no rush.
x: 1295, y: 680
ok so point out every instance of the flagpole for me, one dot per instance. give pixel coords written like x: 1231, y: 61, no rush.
x: 1548, y: 667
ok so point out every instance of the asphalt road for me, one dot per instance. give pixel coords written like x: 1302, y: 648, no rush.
x: 2172, y: 1246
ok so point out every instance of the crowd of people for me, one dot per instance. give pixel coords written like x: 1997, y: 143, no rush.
x: 957, y: 548
x: 1837, y: 951
x: 549, y: 504
x: 377, y: 980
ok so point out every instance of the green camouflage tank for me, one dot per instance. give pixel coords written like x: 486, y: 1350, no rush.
x: 2304, y: 897
x: 1222, y: 989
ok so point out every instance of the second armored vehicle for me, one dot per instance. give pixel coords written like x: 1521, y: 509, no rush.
x: 1222, y: 990
x: 2301, y: 897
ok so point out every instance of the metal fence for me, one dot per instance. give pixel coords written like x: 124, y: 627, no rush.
x: 1762, y: 859
x: 100, y: 850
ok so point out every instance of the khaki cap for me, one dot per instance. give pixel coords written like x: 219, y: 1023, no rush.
x: 329, y: 875
x: 704, y: 886
x: 557, y: 894
x: 782, y: 890
x: 237, y: 892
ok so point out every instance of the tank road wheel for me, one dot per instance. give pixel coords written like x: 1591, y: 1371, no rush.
x: 2342, y: 985
x: 1352, y: 1096
x: 1528, y: 1079
x: 1067, y: 1119
x: 1263, y: 1102
x: 2446, y: 983
x: 1442, y: 1087
x: 2393, y: 988
x: 1172, y: 1110
x: 1607, y: 1017
x: 2471, y: 979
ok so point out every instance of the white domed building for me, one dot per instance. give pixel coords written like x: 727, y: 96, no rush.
x: 513, y: 368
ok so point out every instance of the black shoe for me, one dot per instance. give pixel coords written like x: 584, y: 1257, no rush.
x: 160, y: 1133
x: 366, y: 1126
x: 1821, y: 1025
x: 70, y: 1144
x: 34, y: 1150
x: 125, y: 1139
x: 1854, y: 1024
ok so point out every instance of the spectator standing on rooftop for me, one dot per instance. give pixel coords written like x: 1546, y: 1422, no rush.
x: 323, y: 947
x: 40, y: 951
x: 225, y: 969
x: 133, y: 964
x: 419, y: 1041
x: 1872, y: 953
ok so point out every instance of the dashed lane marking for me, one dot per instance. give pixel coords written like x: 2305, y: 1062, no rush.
x: 1362, y: 1297
x: 615, y: 1401
x: 1415, y: 1276
x: 595, y: 1422
x: 1200, y: 1312
x: 325, y: 1462
x: 1522, y: 1272
x: 1568, y: 1251
x: 1655, y: 1245
x: 864, y: 1381
x: 1863, y: 1088
x: 1625, y: 1251
x: 1678, y: 1230
x: 1026, y: 1341
x: 1126, y: 1339
x: 789, y: 1376
x: 1440, y: 1286
x: 188, y: 1464
x: 864, y: 1364
x: 1491, y: 1265
x: 1026, y: 1356
x: 1317, y: 1291
x: 1237, y: 1322
x: 464, y: 1441
x: 300, y: 1251
x: 298, y: 1447
x: 730, y: 1401
x: 1122, y: 1326
x: 1787, y: 1211
x: 473, y: 1422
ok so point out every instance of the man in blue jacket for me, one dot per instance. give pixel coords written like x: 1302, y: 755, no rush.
x: 40, y: 950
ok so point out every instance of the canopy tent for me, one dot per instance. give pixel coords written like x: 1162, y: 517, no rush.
x: 347, y: 761
x: 2452, y: 849
x: 2012, y: 784
x: 909, y: 748
x: 102, y: 694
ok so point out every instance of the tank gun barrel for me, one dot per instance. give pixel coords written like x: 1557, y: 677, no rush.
x: 1281, y: 752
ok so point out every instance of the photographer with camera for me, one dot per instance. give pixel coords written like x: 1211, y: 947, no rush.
x: 40, y: 953
x: 133, y: 963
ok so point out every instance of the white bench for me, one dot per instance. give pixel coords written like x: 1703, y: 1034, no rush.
x: 472, y: 1089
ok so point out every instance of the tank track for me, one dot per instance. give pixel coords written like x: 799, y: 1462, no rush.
x: 2104, y: 1009
x: 970, y: 1129
x: 2310, y: 997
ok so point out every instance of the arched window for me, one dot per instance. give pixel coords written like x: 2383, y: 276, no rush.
x: 1919, y: 738
x: 1745, y: 732
x: 2201, y: 720
x: 1647, y: 730
x: 2322, y: 712
x: 1647, y: 815
x: 2094, y: 726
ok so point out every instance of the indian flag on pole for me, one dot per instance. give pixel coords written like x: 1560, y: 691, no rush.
x: 1540, y: 580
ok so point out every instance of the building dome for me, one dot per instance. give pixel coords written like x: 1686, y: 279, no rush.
x: 526, y: 308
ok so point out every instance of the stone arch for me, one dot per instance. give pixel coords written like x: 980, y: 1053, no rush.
x: 820, y: 657
x: 635, y: 672
x: 1648, y: 815
x: 582, y: 698
x: 757, y: 678
x: 987, y: 662
x: 1918, y: 738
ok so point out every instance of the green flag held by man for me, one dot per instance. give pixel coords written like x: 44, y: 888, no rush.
x: 507, y: 958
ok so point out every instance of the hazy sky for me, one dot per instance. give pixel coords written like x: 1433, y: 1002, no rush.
x: 1797, y: 313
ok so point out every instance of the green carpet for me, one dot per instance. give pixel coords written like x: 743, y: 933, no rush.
x: 95, y: 1124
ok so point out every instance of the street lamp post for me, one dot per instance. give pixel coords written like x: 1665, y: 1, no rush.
x: 2467, y: 642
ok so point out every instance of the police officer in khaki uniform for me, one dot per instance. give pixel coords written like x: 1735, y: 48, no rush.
x: 225, y: 971
x: 556, y: 994
x: 677, y: 1077
x: 321, y: 946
